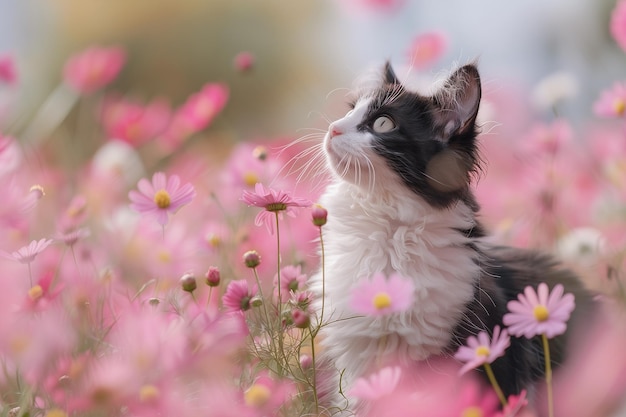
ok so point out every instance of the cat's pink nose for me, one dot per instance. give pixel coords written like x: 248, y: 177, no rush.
x: 334, y: 132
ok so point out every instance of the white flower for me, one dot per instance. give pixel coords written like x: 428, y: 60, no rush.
x: 553, y: 89
x: 582, y: 245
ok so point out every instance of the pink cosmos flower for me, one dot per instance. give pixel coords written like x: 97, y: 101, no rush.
x: 195, y: 114
x: 162, y: 197
x: 426, y: 48
x: 134, y: 123
x: 377, y: 385
x: 618, y: 24
x: 480, y: 350
x: 291, y: 280
x: 267, y: 394
x: 93, y: 68
x: 548, y: 138
x: 612, y: 102
x: 8, y: 74
x: 541, y: 312
x: 238, y: 295
x: 27, y: 254
x: 380, y: 296
x: 273, y: 202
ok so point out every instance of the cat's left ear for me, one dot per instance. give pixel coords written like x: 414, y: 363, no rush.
x: 389, y: 75
x: 457, y: 102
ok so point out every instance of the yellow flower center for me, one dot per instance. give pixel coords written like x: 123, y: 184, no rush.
x: 250, y: 178
x: 162, y: 199
x: 381, y: 300
x: 472, y: 412
x: 35, y: 292
x: 541, y: 313
x: 148, y: 393
x: 257, y: 395
x: 213, y: 240
x: 619, y: 106
x: 482, y: 351
x: 274, y: 207
x: 55, y: 412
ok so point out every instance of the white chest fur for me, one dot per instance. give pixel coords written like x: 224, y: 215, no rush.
x: 368, y: 235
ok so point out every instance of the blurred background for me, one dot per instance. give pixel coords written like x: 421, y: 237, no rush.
x: 306, y: 51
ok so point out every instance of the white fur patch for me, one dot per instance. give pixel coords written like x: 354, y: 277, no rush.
x: 369, y: 233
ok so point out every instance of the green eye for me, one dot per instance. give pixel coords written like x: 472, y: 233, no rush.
x: 383, y: 124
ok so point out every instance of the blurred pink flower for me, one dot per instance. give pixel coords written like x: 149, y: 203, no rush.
x: 27, y: 254
x: 514, y: 405
x: 195, y: 114
x: 267, y: 394
x: 238, y: 295
x: 244, y: 61
x: 548, y: 138
x: 162, y: 197
x: 273, y: 202
x: 93, y: 68
x: 426, y: 48
x: 380, y: 296
x: 480, y: 350
x: 10, y: 155
x: 134, y: 123
x: 612, y: 102
x: 541, y: 312
x: 377, y: 385
x: 618, y: 24
x: 8, y: 73
x: 291, y: 280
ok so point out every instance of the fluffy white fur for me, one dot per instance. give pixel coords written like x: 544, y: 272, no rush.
x: 375, y: 225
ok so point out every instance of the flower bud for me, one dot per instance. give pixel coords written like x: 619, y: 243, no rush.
x: 153, y: 301
x: 188, y: 282
x: 301, y: 319
x: 252, y: 259
x: 319, y: 214
x: 260, y: 153
x: 306, y: 361
x: 213, y: 277
x: 256, y: 301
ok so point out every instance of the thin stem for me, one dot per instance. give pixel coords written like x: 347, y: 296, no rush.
x: 546, y: 352
x: 30, y: 275
x: 208, y: 300
x: 280, y: 300
x: 323, y: 277
x: 314, y: 382
x: 494, y: 383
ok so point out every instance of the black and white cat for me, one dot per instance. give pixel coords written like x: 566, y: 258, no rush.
x: 401, y: 201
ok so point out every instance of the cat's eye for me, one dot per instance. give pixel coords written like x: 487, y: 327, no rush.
x: 383, y: 124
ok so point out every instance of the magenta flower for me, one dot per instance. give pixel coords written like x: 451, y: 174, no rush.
x: 541, y: 312
x: 612, y: 103
x: 244, y: 61
x: 27, y: 254
x: 133, y: 122
x: 273, y: 202
x: 93, y: 68
x: 8, y: 74
x: 480, y: 350
x: 196, y: 114
x: 618, y: 24
x: 380, y: 296
x: 426, y: 48
x: 238, y: 295
x: 377, y: 385
x: 162, y: 197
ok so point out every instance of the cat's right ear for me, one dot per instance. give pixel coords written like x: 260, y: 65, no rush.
x: 389, y: 75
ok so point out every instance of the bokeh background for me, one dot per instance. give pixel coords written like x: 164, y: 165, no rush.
x: 306, y: 50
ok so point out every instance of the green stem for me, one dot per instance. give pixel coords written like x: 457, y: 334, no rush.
x: 208, y: 300
x: 281, y: 351
x: 546, y: 352
x: 494, y: 384
x: 323, y: 279
x: 314, y: 382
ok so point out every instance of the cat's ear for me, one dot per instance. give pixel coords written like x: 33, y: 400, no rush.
x: 389, y: 75
x: 457, y: 102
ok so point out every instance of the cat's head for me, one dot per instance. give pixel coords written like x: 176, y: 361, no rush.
x: 397, y: 140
